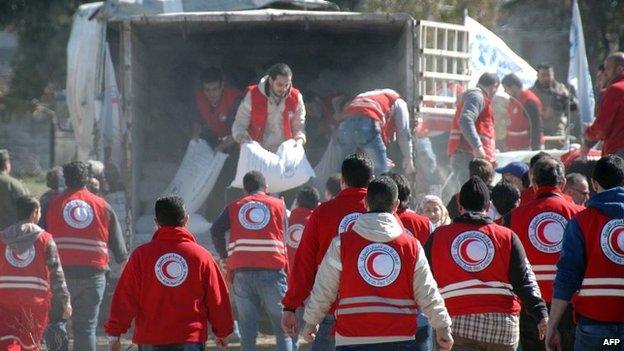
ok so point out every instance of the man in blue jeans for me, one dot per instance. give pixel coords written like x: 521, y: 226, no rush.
x: 256, y: 257
x: 592, y: 264
x: 370, y: 122
x: 84, y: 228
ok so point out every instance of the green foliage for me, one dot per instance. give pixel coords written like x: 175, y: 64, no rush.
x: 43, y: 28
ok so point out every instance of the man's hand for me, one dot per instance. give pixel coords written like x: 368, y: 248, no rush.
x: 480, y: 153
x: 444, y: 339
x: 298, y: 142
x: 243, y: 138
x: 289, y: 323
x: 408, y: 165
x: 541, y: 328
x: 221, y: 343
x: 114, y: 343
x: 67, y: 312
x: 225, y: 143
x: 553, y: 339
x: 309, y: 332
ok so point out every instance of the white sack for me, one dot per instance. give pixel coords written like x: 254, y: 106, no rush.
x: 197, y: 174
x: 284, y: 170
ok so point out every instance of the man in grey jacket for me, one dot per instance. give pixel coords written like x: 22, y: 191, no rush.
x: 381, y: 279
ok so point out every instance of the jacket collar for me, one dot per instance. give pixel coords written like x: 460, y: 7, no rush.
x: 473, y: 218
x: 173, y: 234
x: 548, y: 191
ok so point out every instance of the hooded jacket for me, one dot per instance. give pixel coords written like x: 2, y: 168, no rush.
x: 572, y: 260
x: 376, y: 227
x: 273, y: 135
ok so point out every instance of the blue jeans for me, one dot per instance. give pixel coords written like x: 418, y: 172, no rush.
x: 176, y: 347
x: 86, y: 297
x: 260, y: 288
x: 424, y: 334
x: 408, y: 345
x: 363, y: 134
x: 591, y: 336
x: 324, y: 341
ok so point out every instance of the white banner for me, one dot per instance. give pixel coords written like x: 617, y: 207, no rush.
x: 489, y: 53
x: 578, y: 70
x: 113, y: 126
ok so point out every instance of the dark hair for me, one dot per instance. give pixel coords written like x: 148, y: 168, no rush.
x: 25, y: 206
x: 617, y: 58
x: 538, y: 157
x: 357, y: 170
x: 512, y: 80
x: 170, y: 211
x: 381, y: 194
x: 548, y: 172
x: 575, y: 178
x: 544, y: 65
x: 332, y: 185
x: 403, y: 187
x: 505, y: 196
x: 279, y: 69
x: 474, y: 195
x: 253, y: 181
x: 211, y: 74
x: 526, y: 180
x: 308, y: 197
x: 481, y: 168
x: 76, y: 174
x: 488, y: 79
x: 53, y: 178
x: 609, y: 172
x: 601, y: 67
x: 5, y: 158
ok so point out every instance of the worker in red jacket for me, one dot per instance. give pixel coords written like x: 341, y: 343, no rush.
x: 371, y: 121
x: 483, y: 274
x: 308, y: 199
x: 540, y: 225
x: 171, y: 288
x: 590, y: 271
x: 378, y: 276
x: 30, y: 278
x: 85, y: 228
x: 524, y: 131
x: 331, y: 218
x: 256, y: 257
x: 609, y: 124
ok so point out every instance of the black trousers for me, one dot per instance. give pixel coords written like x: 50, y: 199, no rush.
x: 529, y: 336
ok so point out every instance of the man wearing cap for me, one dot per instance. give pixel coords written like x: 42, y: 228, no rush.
x: 513, y: 173
x: 378, y: 276
x: 10, y: 190
x: 483, y: 274
x: 540, y: 224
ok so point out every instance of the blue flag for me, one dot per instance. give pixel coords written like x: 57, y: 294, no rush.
x: 578, y: 71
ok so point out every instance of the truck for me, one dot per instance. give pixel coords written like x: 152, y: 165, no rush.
x: 157, y: 59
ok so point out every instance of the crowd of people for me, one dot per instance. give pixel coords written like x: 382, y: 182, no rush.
x: 535, y: 260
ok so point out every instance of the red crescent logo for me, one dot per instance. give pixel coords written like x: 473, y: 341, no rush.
x: 165, y: 269
x: 248, y: 215
x: 75, y: 216
x: 370, y: 265
x: 617, y: 241
x: 541, y: 231
x: 463, y: 251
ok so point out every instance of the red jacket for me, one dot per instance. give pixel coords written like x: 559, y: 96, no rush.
x: 328, y: 220
x: 296, y: 222
x: 218, y: 118
x: 257, y: 226
x: 601, y: 296
x: 529, y: 194
x: 378, y: 106
x: 79, y: 222
x: 471, y: 266
x: 375, y: 299
x: 540, y: 224
x: 518, y: 137
x: 609, y: 125
x: 485, y: 128
x: 418, y: 226
x: 25, y: 291
x: 259, y: 112
x: 172, y: 288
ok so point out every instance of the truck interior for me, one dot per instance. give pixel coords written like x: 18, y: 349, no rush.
x: 328, y: 55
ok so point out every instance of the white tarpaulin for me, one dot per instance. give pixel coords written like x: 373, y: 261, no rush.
x: 113, y: 127
x: 578, y: 70
x: 284, y: 170
x: 197, y: 174
x: 489, y: 53
x: 84, y: 56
